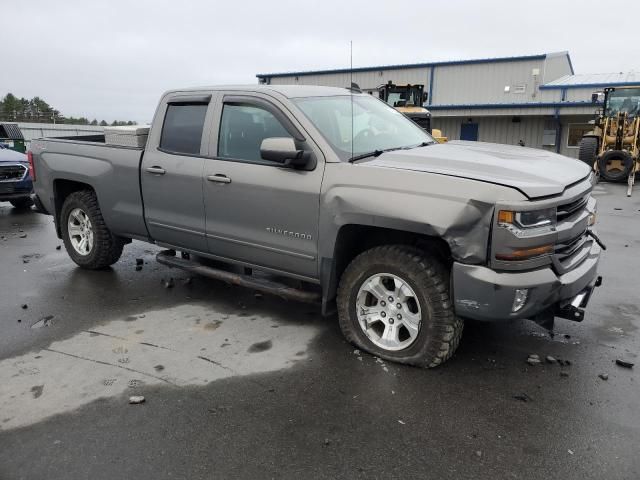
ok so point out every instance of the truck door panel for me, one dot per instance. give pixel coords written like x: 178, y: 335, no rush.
x: 171, y: 174
x: 257, y: 211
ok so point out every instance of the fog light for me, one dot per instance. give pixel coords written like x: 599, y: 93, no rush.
x: 592, y: 219
x: 519, y: 299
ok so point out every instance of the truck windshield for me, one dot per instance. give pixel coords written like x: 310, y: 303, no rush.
x: 375, y: 125
x: 625, y: 100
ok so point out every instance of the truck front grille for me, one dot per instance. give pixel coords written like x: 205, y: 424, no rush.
x: 12, y: 173
x: 573, y: 244
x: 568, y: 209
x: 565, y: 250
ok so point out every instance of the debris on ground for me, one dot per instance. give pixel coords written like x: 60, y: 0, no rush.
x: 24, y: 306
x: 136, y: 399
x: 624, y: 363
x: 327, y: 441
x: 533, y: 359
x: 570, y: 452
x: 44, y: 322
x: 523, y: 397
x: 401, y: 422
x: 58, y: 247
x: 604, y: 376
x: 168, y: 283
x: 23, y: 235
x: 258, y: 295
x: 139, y: 261
x: 550, y: 359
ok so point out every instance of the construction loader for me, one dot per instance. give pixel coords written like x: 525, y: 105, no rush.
x: 612, y: 148
x: 408, y: 99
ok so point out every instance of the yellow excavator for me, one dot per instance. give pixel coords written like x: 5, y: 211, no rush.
x: 612, y: 148
x: 408, y: 99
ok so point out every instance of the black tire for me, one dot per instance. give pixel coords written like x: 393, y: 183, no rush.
x: 587, y: 150
x: 21, y: 203
x: 107, y: 248
x: 618, y: 175
x: 440, y: 330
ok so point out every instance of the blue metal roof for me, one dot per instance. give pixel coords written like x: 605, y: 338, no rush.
x: 409, y: 65
x: 588, y: 80
x: 475, y: 106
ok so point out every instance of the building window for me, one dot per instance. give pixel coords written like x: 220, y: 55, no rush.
x: 576, y: 132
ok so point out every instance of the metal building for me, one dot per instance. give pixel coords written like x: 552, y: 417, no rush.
x: 536, y: 99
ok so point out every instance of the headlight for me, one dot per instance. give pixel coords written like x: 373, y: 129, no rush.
x: 529, y: 219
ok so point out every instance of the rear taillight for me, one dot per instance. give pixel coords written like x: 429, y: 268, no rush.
x: 32, y: 168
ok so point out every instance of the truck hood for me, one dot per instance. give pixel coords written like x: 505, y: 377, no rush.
x: 536, y: 173
x: 10, y: 156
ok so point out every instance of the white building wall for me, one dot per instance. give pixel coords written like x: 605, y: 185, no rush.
x: 496, y: 129
x: 555, y: 66
x: 580, y: 94
x: 478, y: 83
x: 368, y: 81
x: 505, y: 131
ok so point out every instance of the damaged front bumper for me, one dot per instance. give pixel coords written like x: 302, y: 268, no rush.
x: 483, y: 294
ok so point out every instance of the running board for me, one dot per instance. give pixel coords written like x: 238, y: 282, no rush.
x: 263, y: 285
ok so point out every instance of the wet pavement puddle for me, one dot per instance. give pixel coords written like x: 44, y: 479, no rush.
x: 177, y: 347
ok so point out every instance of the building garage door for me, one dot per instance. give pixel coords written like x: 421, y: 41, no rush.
x: 469, y: 131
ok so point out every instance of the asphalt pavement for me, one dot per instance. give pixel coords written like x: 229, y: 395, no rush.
x: 239, y: 385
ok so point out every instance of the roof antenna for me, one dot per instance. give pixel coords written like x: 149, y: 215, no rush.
x: 351, y: 90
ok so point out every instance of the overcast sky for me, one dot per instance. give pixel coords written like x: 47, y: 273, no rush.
x: 112, y: 59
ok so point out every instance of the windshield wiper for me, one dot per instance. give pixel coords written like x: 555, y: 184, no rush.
x: 423, y: 144
x: 374, y: 153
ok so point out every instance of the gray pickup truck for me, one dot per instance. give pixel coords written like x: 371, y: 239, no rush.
x: 331, y: 196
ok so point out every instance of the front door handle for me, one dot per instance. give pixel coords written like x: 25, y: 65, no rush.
x: 219, y: 178
x: 156, y: 170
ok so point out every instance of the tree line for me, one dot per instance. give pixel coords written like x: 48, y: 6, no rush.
x: 36, y: 110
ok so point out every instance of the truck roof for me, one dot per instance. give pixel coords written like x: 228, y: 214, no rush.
x: 289, y: 91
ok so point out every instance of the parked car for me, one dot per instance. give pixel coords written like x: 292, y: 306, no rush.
x: 15, y: 182
x: 403, y: 236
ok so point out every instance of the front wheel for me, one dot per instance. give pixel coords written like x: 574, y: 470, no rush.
x: 86, y: 237
x: 393, y: 301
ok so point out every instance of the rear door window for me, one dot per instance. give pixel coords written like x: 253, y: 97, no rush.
x: 242, y: 129
x: 182, y: 128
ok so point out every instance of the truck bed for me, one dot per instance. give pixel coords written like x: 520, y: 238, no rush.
x: 112, y: 171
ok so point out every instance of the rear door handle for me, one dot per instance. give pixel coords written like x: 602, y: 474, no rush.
x: 156, y: 170
x: 219, y: 178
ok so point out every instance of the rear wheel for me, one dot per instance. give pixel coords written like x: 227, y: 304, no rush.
x: 86, y: 238
x: 587, y: 151
x: 393, y: 301
x: 615, y: 165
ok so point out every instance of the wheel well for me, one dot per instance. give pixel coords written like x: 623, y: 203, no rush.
x: 61, y: 190
x: 355, y: 239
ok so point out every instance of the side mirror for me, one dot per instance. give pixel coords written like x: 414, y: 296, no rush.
x: 425, y: 97
x: 283, y: 150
